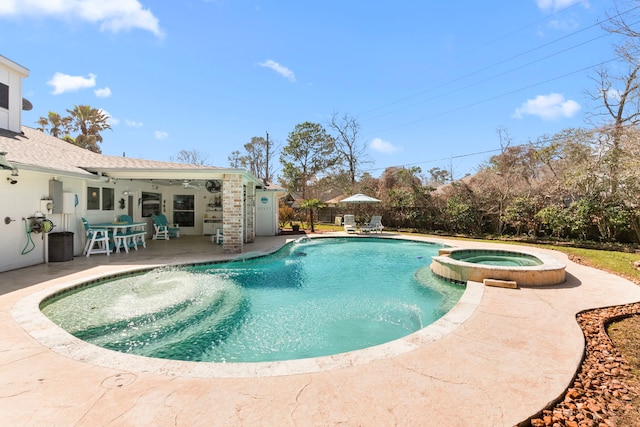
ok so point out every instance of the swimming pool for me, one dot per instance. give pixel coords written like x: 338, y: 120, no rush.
x: 312, y: 298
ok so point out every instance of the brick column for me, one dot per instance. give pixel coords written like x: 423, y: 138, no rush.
x: 232, y: 208
x: 250, y: 208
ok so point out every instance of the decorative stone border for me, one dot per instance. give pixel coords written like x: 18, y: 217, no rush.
x: 600, y: 390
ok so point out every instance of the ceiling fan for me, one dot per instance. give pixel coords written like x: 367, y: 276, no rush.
x: 187, y: 184
x: 213, y: 185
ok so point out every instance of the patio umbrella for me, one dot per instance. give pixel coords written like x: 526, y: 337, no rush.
x: 358, y: 199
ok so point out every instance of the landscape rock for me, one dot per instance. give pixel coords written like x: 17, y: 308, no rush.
x: 600, y: 390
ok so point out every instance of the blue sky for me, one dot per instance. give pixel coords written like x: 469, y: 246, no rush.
x: 430, y: 82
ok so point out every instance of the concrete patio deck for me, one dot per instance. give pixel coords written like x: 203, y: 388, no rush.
x: 501, y: 356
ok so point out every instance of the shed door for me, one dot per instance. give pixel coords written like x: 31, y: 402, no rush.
x: 265, y: 214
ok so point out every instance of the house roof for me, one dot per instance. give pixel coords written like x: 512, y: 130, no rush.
x: 33, y: 149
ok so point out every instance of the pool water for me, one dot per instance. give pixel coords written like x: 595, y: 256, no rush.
x: 496, y: 257
x: 501, y: 260
x: 312, y: 298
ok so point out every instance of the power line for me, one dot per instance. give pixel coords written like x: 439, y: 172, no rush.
x: 496, y: 75
x: 538, y: 142
x: 436, y: 160
x: 529, y: 51
x: 467, y: 53
x: 492, y: 98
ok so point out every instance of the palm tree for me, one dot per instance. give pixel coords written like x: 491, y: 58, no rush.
x: 311, y: 204
x: 86, y: 120
x: 55, y: 124
x: 89, y: 122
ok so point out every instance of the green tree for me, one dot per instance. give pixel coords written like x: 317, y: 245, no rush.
x: 258, y: 157
x: 438, y: 177
x: 234, y: 159
x: 54, y: 124
x: 87, y: 121
x: 554, y: 218
x: 309, y: 152
x: 461, y: 215
x: 311, y: 205
x: 520, y: 214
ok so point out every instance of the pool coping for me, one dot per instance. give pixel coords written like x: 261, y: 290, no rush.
x: 28, y: 315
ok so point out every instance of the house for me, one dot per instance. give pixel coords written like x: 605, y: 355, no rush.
x: 46, y: 178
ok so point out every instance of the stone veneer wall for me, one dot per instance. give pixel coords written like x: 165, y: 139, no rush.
x: 250, y: 207
x: 232, y: 193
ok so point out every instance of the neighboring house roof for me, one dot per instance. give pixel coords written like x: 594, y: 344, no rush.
x: 328, y: 197
x: 35, y: 149
x: 335, y: 200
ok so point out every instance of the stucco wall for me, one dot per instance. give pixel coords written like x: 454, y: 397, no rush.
x: 21, y: 201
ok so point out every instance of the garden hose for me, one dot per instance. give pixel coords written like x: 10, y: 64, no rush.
x: 29, y: 239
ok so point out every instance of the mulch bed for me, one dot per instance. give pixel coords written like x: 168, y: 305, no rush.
x: 603, y: 388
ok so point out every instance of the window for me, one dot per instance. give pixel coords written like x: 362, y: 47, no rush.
x: 108, y: 199
x: 93, y: 198
x: 150, y: 204
x: 184, y: 210
x: 4, y: 96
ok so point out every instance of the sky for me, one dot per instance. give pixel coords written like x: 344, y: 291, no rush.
x: 431, y: 83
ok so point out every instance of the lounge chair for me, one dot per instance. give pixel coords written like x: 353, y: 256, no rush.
x: 162, y: 228
x: 349, y: 223
x: 97, y: 240
x: 373, y: 226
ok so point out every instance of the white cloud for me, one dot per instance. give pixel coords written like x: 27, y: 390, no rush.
x: 280, y: 69
x: 112, y: 15
x: 614, y: 94
x: 103, y: 93
x: 110, y: 119
x: 134, y: 124
x: 566, y: 25
x: 161, y: 135
x: 383, y: 146
x: 65, y: 83
x: 548, y: 107
x: 555, y: 5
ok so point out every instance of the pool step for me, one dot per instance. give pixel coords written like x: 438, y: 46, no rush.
x: 512, y: 284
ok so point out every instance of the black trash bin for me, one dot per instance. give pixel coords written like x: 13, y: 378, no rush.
x: 61, y: 246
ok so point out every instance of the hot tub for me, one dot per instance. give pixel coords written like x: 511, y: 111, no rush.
x: 525, y: 269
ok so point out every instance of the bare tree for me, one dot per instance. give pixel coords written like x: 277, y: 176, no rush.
x: 351, y: 149
x: 190, y: 157
x: 258, y: 157
x: 619, y: 92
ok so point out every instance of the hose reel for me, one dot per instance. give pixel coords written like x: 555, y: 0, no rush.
x: 40, y: 225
